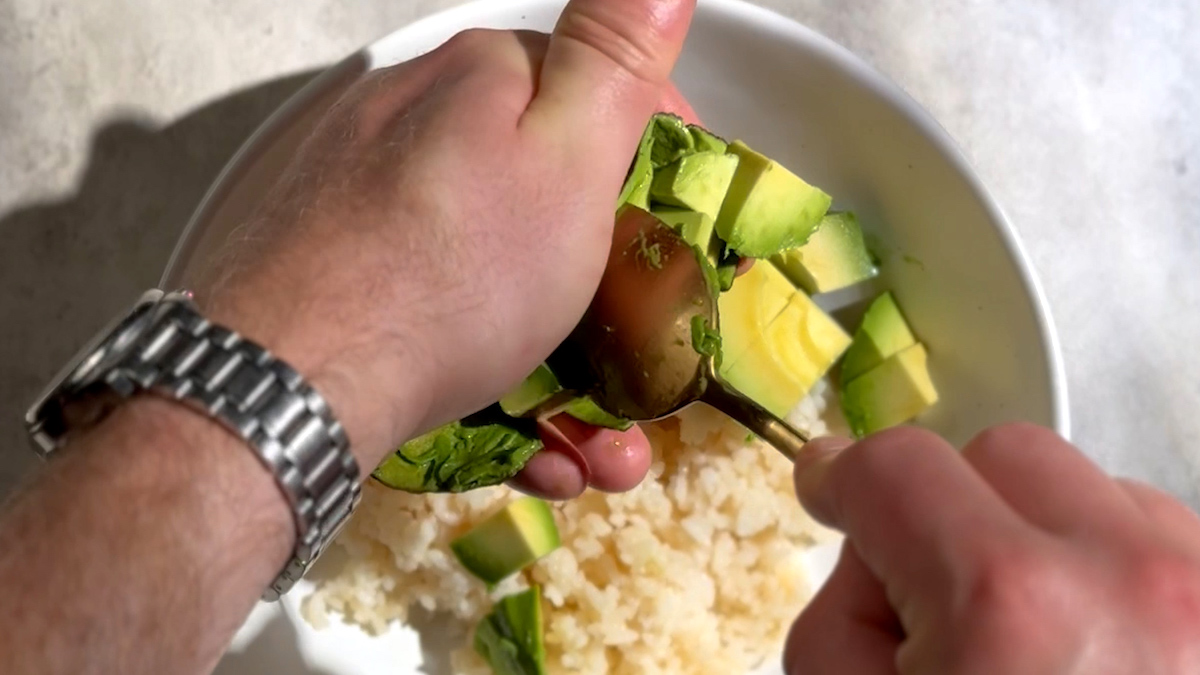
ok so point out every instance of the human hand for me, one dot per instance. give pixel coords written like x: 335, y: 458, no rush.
x: 1016, y: 556
x: 446, y: 224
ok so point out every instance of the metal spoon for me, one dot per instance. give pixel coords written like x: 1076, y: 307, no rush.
x: 633, y: 350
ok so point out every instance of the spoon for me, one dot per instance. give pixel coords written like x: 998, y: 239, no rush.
x: 633, y: 351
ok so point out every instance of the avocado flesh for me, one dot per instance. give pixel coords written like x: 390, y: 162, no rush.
x: 483, y: 449
x: 834, y: 257
x: 882, y: 333
x: 511, y: 637
x: 795, y: 350
x: 768, y: 209
x: 508, y: 541
x: 695, y: 228
x: 707, y: 141
x: 541, y: 385
x: 671, y: 139
x: 697, y: 182
x: 746, y: 309
x: 891, y: 393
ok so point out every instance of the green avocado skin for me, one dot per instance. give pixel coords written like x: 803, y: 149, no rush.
x: 511, y: 637
x: 487, y: 448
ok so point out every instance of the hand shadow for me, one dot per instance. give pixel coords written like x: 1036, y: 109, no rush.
x: 69, y: 266
x: 273, y: 650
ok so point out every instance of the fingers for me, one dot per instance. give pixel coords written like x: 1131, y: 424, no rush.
x: 1173, y: 519
x: 913, y: 507
x: 605, y: 68
x: 578, y: 455
x: 848, y: 628
x: 1047, y: 481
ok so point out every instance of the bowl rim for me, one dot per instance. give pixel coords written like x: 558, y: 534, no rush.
x: 373, y: 54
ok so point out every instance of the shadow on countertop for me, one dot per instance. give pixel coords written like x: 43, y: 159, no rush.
x: 68, y: 266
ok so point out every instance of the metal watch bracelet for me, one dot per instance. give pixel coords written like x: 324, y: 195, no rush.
x: 182, y: 356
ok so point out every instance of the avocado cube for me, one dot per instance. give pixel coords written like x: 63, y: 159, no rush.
x: 697, y: 182
x: 539, y: 386
x: 511, y: 638
x: 767, y: 209
x: 834, y: 257
x: 508, y: 541
x: 889, y: 394
x: 696, y: 228
x: 707, y: 141
x: 882, y: 333
x: 746, y: 309
x: 797, y: 348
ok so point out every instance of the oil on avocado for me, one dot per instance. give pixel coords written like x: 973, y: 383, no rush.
x: 768, y: 209
x: 834, y: 257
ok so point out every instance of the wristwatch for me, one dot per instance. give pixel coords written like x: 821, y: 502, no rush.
x: 164, y: 346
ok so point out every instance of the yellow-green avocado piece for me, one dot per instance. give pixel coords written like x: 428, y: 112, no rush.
x: 767, y: 209
x: 882, y: 333
x: 697, y: 182
x: 795, y: 350
x: 508, y: 541
x: 889, y: 394
x: 746, y: 309
x: 834, y: 257
x: 695, y: 227
x: 511, y: 638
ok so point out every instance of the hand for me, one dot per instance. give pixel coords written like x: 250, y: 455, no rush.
x: 445, y: 226
x: 1016, y: 556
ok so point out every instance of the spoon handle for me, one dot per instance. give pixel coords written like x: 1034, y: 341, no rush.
x: 781, y: 435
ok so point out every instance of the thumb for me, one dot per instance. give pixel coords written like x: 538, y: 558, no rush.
x: 605, y: 69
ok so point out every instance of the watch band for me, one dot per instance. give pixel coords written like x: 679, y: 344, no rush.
x: 289, y: 425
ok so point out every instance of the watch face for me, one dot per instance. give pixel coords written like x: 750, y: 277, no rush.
x: 103, y: 350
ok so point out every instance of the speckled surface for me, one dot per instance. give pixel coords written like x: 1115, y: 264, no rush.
x: 1083, y: 117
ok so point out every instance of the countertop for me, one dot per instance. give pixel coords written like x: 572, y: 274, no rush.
x: 1083, y: 118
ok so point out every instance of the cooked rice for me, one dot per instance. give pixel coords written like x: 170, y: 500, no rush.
x: 695, y: 571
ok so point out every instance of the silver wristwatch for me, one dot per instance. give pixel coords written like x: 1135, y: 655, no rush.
x: 164, y: 346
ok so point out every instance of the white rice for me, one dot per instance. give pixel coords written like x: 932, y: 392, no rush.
x: 695, y: 571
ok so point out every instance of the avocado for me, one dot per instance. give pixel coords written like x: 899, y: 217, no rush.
x: 539, y: 386
x: 727, y: 266
x: 588, y: 411
x: 483, y: 449
x: 891, y: 393
x: 833, y: 257
x: 705, y: 340
x: 636, y: 189
x: 695, y: 228
x: 511, y: 638
x: 883, y: 332
x: 670, y: 139
x: 768, y: 209
x: 746, y: 309
x: 508, y: 541
x: 706, y: 141
x: 795, y: 350
x: 697, y: 182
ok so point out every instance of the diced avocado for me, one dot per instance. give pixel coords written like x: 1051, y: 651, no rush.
x: 671, y: 139
x: 727, y: 266
x: 636, y: 190
x: 508, y: 541
x: 707, y: 141
x: 486, y: 448
x: 539, y: 386
x: 588, y: 411
x: 883, y: 332
x: 796, y: 349
x: 511, y: 638
x: 889, y: 394
x: 695, y: 228
x: 697, y: 182
x: 768, y: 209
x: 834, y: 256
x: 757, y: 297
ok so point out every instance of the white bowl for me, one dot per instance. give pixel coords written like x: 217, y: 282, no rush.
x: 948, y: 252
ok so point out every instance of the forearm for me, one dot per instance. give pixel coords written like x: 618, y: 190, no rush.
x: 140, y: 549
